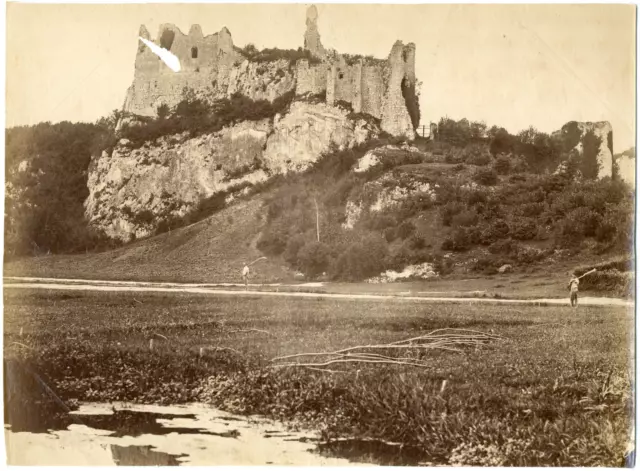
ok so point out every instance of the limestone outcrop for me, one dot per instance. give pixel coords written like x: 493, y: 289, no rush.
x: 133, y: 191
x: 308, y: 131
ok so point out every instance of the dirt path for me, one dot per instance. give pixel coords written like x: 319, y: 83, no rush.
x: 280, y: 290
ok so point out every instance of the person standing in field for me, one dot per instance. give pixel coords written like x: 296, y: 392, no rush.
x: 245, y: 276
x: 573, y: 288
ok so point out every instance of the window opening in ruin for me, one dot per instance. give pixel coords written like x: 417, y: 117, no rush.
x: 166, y: 40
x: 340, y: 75
x: 194, y: 52
x: 404, y: 56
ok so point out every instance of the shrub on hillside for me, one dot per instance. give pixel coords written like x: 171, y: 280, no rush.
x: 414, y: 204
x: 523, y: 228
x: 486, y: 176
x: 408, y: 255
x: 275, y: 54
x: 361, y: 260
x: 494, y: 231
x: 502, y: 165
x: 489, y: 265
x: 462, y: 239
x: 196, y: 116
x: 449, y: 210
x: 274, y: 239
x: 378, y: 221
x: 292, y: 247
x: 390, y: 234
x: 578, y: 224
x: 314, y: 259
x: 504, y: 247
x: 479, y: 158
x: 610, y: 281
x: 476, y: 196
x: 464, y: 219
x: 406, y: 229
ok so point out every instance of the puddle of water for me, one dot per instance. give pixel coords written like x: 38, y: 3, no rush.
x: 135, y: 455
x: 373, y: 451
x: 41, y: 431
x: 151, y: 435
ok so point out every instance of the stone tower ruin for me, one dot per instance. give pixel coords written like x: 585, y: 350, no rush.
x: 382, y: 88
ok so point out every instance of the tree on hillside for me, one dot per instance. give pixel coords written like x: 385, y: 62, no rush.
x: 478, y: 129
x: 527, y: 136
x: 47, y: 171
x: 502, y: 142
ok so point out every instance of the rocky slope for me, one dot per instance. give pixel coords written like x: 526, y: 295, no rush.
x: 132, y: 191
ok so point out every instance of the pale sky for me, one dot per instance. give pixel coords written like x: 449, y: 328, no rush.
x: 510, y: 65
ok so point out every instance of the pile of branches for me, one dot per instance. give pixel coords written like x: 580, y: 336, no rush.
x: 403, y: 352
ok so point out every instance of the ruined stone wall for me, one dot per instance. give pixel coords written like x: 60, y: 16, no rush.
x: 332, y: 75
x: 210, y: 66
x: 395, y: 116
x: 310, y: 79
x: 345, y: 83
x: 372, y: 90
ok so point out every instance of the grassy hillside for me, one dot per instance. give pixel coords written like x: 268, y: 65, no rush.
x: 211, y: 250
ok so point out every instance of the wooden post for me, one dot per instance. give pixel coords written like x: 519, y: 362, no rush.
x: 21, y: 331
x: 151, y: 344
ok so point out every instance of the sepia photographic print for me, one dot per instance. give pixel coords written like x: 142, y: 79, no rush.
x: 320, y: 235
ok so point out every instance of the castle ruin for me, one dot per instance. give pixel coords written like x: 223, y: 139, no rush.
x: 384, y: 89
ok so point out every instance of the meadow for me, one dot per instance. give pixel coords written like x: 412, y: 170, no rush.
x: 552, y: 387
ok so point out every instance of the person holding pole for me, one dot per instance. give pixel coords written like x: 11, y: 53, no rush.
x: 245, y: 276
x: 573, y: 286
x: 573, y: 289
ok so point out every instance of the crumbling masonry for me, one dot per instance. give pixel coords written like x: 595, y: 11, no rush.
x: 384, y: 89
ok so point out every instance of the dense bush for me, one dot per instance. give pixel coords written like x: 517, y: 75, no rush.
x: 406, y: 229
x: 486, y: 176
x: 313, y: 259
x: 523, y: 229
x: 196, y: 116
x: 46, y: 174
x: 362, y: 259
x: 502, y: 165
x: 275, y: 54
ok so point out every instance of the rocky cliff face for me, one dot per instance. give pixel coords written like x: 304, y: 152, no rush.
x: 132, y: 191
x: 309, y: 130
